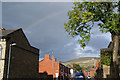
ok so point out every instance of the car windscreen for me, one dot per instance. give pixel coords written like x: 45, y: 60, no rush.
x: 79, y: 76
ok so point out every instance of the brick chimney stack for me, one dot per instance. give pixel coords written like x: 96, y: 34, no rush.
x: 97, y: 65
x: 47, y: 56
x: 59, y: 62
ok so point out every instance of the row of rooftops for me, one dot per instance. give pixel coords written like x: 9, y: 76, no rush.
x: 4, y: 32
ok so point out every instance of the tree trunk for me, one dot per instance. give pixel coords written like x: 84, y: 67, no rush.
x: 115, y: 56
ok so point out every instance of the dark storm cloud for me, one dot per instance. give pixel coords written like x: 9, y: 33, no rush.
x: 88, y: 51
x: 43, y: 24
x: 99, y: 42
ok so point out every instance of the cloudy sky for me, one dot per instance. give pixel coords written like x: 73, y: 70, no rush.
x: 43, y: 25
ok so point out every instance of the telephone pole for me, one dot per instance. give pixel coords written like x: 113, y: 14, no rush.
x: 52, y: 65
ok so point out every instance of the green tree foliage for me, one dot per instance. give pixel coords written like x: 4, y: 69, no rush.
x: 106, y: 58
x: 77, y: 67
x: 84, y: 14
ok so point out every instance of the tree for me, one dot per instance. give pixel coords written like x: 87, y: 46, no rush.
x: 83, y: 16
x: 77, y: 67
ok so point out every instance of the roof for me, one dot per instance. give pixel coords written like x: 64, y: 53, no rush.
x: 4, y: 33
x: 110, y: 47
x: 79, y: 73
x: 105, y: 49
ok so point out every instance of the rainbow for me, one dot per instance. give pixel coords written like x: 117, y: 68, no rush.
x: 43, y: 19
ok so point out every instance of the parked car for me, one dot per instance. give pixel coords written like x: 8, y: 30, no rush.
x: 79, y: 76
x: 89, y: 77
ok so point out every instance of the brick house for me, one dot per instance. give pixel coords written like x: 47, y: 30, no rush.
x: 18, y: 59
x: 53, y: 67
x: 107, y: 71
x: 72, y: 70
x: 91, y: 71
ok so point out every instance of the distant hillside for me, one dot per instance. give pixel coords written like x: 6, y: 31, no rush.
x: 83, y: 61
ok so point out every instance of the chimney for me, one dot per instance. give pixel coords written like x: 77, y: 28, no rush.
x: 97, y: 65
x: 72, y: 65
x: 54, y: 59
x: 2, y: 28
x: 59, y: 62
x: 47, y: 56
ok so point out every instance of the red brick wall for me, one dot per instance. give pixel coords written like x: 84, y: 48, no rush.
x: 92, y: 73
x: 46, y: 65
x: 97, y: 65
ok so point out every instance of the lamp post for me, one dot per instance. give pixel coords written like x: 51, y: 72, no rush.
x: 9, y: 59
x: 52, y: 65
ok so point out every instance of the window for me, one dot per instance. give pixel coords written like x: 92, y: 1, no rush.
x: 0, y: 51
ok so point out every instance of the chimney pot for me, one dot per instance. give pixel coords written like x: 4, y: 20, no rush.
x: 47, y: 56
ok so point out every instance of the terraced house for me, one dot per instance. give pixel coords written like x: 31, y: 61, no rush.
x: 18, y: 59
x: 53, y: 67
